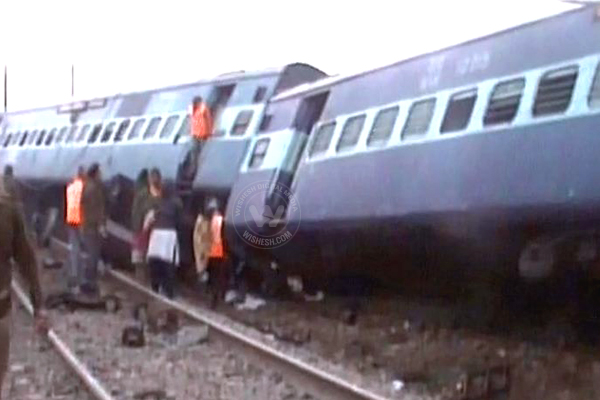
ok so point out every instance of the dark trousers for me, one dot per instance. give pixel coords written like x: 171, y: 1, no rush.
x: 93, y: 245
x: 218, y: 270
x: 162, y: 276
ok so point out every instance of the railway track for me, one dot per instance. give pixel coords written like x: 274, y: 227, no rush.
x: 96, y: 389
x: 320, y: 384
x: 312, y: 382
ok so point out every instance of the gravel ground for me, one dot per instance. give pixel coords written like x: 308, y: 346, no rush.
x: 186, y: 364
x: 36, y: 371
x: 397, y: 351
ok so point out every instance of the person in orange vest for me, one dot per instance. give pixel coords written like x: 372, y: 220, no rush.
x: 73, y: 219
x: 202, y: 120
x: 217, y: 261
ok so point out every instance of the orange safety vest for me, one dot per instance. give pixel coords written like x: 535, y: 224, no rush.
x: 216, y: 228
x: 202, y: 122
x: 74, y: 193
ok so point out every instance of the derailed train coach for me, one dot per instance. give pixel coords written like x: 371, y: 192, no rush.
x: 126, y: 133
x: 475, y: 161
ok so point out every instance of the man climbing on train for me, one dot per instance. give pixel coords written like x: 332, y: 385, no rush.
x: 73, y: 220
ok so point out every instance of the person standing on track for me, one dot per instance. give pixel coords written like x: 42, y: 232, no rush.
x: 14, y: 245
x: 140, y: 241
x: 73, y: 219
x: 163, y: 246
x: 93, y: 204
x: 217, y: 262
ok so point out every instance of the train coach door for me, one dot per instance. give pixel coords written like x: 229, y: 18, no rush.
x: 308, y: 114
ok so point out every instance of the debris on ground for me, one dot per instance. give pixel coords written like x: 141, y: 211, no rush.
x: 251, y: 303
x: 192, y: 335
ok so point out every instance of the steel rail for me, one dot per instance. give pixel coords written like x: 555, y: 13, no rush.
x: 299, y: 373
x: 93, y: 385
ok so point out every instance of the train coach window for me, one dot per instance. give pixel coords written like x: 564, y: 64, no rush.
x: 152, y: 128
x: 83, y: 133
x: 169, y: 126
x: 121, y: 131
x: 555, y: 90
x: 260, y: 93
x: 136, y: 129
x: 23, y: 139
x: 72, y: 134
x: 504, y: 102
x: 95, y: 133
x: 15, y: 139
x: 184, y: 129
x: 49, y: 137
x: 459, y: 110
x: 7, y: 139
x: 322, y: 138
x: 419, y: 118
x: 240, y: 125
x: 594, y: 99
x: 61, y: 135
x: 259, y: 153
x: 42, y: 137
x: 108, y: 131
x: 351, y: 133
x: 31, y: 138
x: 383, y: 126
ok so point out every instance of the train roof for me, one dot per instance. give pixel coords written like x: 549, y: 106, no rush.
x: 223, y: 78
x: 336, y: 79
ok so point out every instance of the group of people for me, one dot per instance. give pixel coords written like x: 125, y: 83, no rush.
x: 157, y: 219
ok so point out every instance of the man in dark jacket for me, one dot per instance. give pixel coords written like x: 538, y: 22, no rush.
x: 15, y: 246
x: 93, y: 207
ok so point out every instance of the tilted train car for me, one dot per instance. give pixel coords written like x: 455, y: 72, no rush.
x: 125, y: 133
x: 486, y: 152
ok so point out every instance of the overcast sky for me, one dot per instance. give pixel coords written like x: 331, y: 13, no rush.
x: 120, y: 46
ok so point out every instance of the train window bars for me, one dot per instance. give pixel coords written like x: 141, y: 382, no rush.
x: 321, y: 140
x: 241, y: 123
x: 152, y: 127
x: 504, y: 102
x: 49, y: 137
x: 555, y: 90
x: 594, y: 99
x: 61, y: 135
x: 136, y: 129
x: 95, y: 133
x: 259, y: 153
x: 72, y: 134
x: 383, y: 126
x: 351, y: 133
x: 169, y: 126
x: 459, y: 110
x: 83, y: 133
x: 419, y: 118
x: 121, y: 131
x: 108, y: 131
